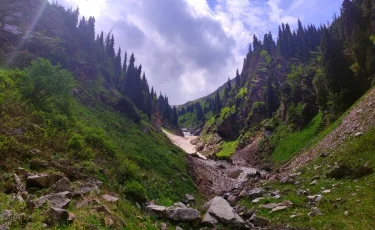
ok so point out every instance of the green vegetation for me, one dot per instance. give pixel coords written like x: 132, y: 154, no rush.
x: 351, y: 194
x: 132, y: 159
x: 288, y: 144
x: 242, y: 93
x: 227, y: 149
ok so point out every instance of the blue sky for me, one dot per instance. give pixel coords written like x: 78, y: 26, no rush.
x: 189, y: 48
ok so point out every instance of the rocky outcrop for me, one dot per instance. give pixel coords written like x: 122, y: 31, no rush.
x: 57, y: 200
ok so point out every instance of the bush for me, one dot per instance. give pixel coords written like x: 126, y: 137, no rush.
x: 45, y: 81
x: 126, y: 170
x: 76, y: 142
x: 136, y: 191
x: 86, y: 154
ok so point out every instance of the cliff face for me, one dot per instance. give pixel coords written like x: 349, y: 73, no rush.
x: 268, y: 91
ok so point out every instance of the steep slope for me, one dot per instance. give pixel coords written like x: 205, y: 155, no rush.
x: 93, y: 146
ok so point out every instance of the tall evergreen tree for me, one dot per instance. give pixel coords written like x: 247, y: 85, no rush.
x: 238, y: 79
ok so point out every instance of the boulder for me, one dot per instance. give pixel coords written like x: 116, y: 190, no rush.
x: 182, y: 214
x: 110, y: 198
x: 57, y: 200
x: 255, y: 193
x: 179, y: 228
x: 156, y: 210
x: 57, y: 215
x: 61, y: 186
x: 42, y: 180
x: 220, y: 209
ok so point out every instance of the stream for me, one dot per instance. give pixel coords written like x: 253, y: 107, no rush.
x: 213, y: 177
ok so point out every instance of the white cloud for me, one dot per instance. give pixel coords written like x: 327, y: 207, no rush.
x: 187, y: 48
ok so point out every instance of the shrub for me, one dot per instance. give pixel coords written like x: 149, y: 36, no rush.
x: 86, y: 154
x: 45, y: 81
x: 76, y: 142
x: 136, y: 191
x: 126, y: 170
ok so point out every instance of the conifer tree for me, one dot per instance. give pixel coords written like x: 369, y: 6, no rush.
x: 238, y: 79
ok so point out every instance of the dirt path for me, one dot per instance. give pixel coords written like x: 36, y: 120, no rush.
x: 213, y: 177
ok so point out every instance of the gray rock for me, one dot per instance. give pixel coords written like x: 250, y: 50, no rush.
x: 219, y: 208
x: 256, y: 200
x: 315, y: 198
x: 275, y: 193
x: 110, y: 198
x: 259, y: 221
x: 4, y: 227
x: 182, y: 214
x: 269, y: 206
x: 316, y: 211
x: 6, y: 214
x: 314, y: 182
x: 163, y: 226
x: 209, y: 220
x: 57, y: 215
x: 178, y: 228
x: 179, y: 205
x: 358, y: 134
x: 189, y: 198
x: 255, y: 193
x: 62, y: 185
x: 88, y: 202
x: 157, y: 210
x: 42, y: 180
x: 19, y: 185
x: 279, y: 208
x: 57, y: 200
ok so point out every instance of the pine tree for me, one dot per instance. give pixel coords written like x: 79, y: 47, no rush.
x: 238, y: 79
x: 217, y: 103
x: 228, y: 88
x: 117, y: 67
x: 257, y: 45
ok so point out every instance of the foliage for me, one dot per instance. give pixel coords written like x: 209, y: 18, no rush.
x: 227, y: 149
x: 135, y: 190
x: 288, y: 144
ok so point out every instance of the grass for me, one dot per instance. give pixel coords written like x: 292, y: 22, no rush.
x: 227, y: 149
x: 352, y: 195
x: 94, y: 138
x: 291, y: 143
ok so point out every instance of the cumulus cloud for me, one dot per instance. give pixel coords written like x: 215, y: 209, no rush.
x: 188, y: 48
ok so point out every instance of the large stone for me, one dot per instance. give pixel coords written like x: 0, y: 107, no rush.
x: 221, y: 210
x: 157, y: 210
x: 61, y: 186
x: 57, y: 200
x: 19, y: 185
x: 57, y: 215
x: 42, y: 180
x: 182, y: 214
x: 255, y: 193
x: 88, y: 202
x: 110, y: 198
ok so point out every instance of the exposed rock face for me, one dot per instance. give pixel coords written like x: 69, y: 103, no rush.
x: 218, y: 209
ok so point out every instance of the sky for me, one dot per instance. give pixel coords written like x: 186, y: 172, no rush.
x: 188, y: 48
